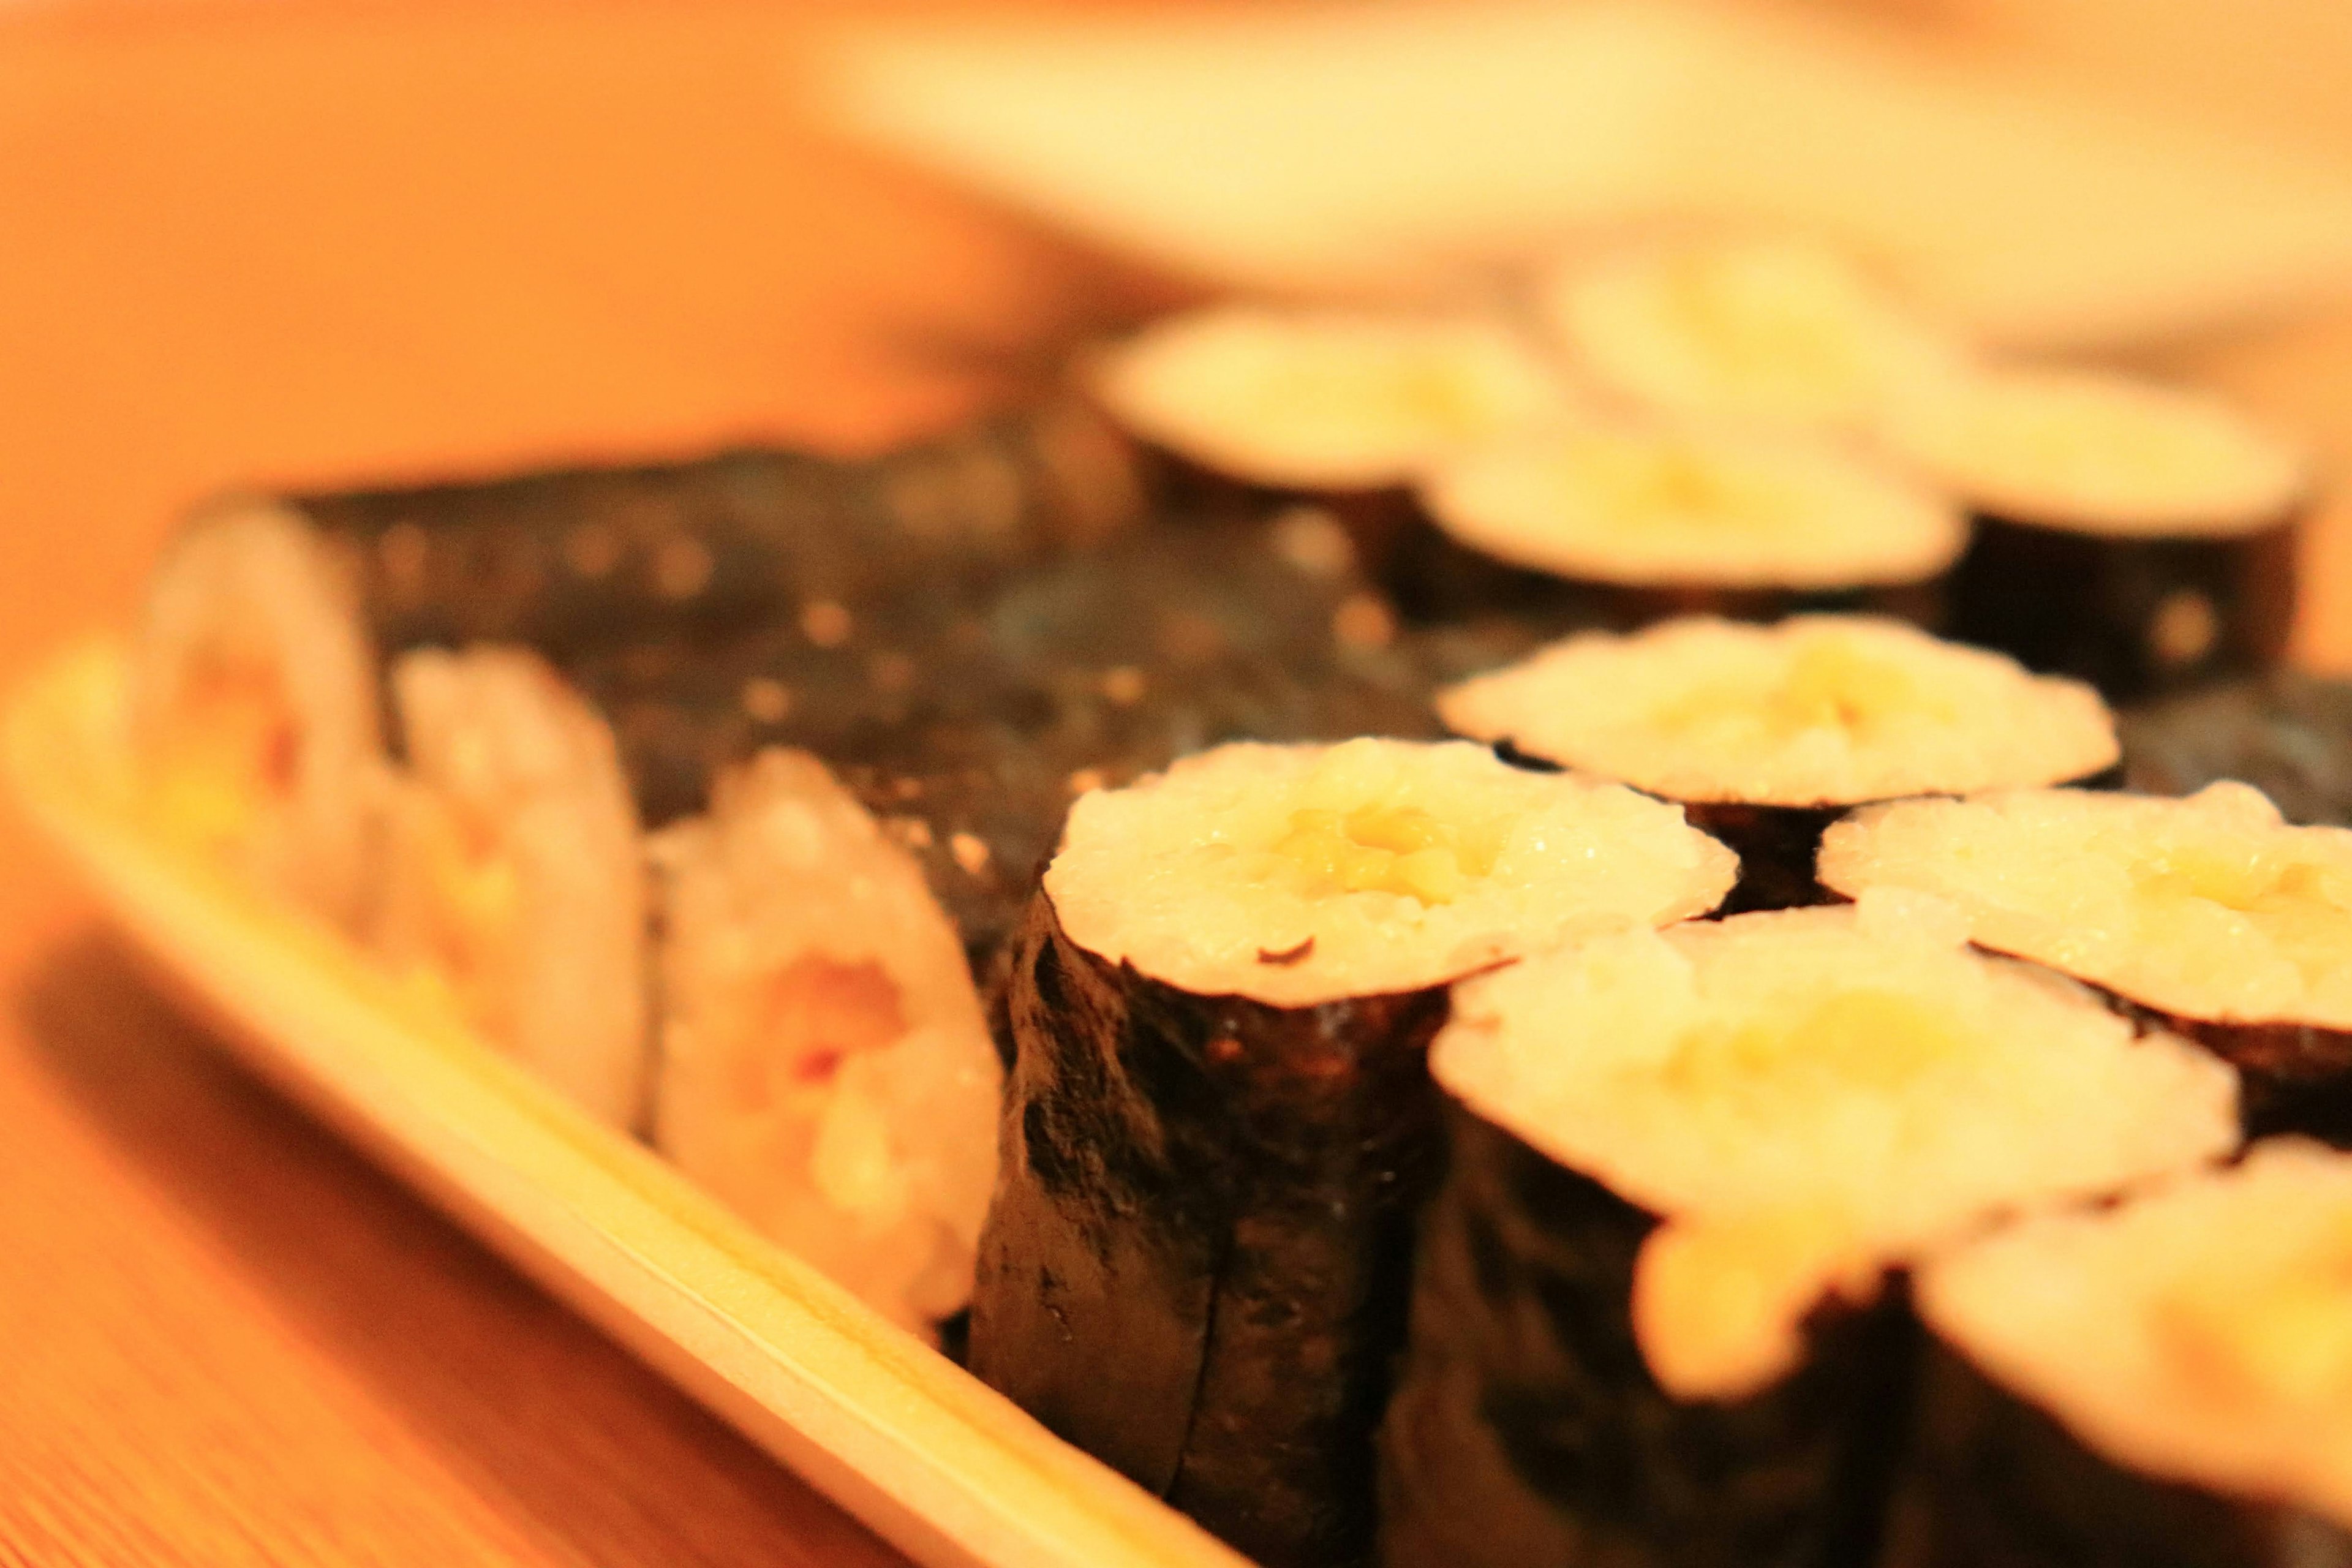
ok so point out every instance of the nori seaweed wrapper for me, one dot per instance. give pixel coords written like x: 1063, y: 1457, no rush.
x: 968, y: 720
x: 1195, y: 1266
x: 2134, y: 616
x: 581, y: 557
x: 1437, y: 579
x: 1526, y: 1431
x: 1991, y: 1481
x: 2286, y: 733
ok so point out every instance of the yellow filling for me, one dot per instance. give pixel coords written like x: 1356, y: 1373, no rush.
x: 2305, y: 909
x: 2282, y: 1331
x: 1398, y: 850
x: 1409, y: 396
x: 1760, y: 335
x: 1829, y: 684
x: 229, y: 749
x: 1878, y: 1041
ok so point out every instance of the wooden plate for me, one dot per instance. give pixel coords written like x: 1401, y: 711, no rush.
x: 943, y: 1467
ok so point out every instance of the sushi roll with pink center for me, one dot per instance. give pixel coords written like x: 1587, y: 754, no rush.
x: 1220, y: 1124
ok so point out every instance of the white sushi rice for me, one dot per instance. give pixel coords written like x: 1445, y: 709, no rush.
x: 2097, y: 452
x: 2209, y: 907
x: 1325, y: 399
x: 1806, y: 1097
x: 1768, y: 330
x: 2200, y: 1334
x: 1678, y: 505
x: 1299, y: 874
x: 827, y: 1069
x: 1816, y: 710
x: 513, y: 886
x: 254, y: 708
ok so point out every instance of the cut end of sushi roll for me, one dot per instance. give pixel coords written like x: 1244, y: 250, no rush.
x: 1300, y: 874
x: 1817, y: 711
x: 255, y: 706
x: 2097, y: 452
x: 826, y: 1067
x: 1677, y: 508
x: 513, y: 886
x: 1325, y: 399
x: 1806, y: 1097
x: 1765, y: 331
x: 2199, y: 1334
x: 2208, y: 907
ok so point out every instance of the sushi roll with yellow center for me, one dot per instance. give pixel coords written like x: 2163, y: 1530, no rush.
x: 2166, y: 1383
x: 1767, y: 734
x: 1650, y: 1320
x: 2208, y: 914
x: 2136, y: 535
x: 1760, y: 331
x: 1324, y: 401
x: 1647, y: 520
x: 1220, y: 1124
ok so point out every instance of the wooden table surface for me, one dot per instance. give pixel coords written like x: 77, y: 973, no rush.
x: 317, y: 242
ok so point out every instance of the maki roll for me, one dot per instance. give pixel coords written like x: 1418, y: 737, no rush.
x: 1220, y: 1124
x: 514, y: 890
x: 272, y: 622
x: 1766, y: 331
x: 2209, y: 916
x: 1254, y: 405
x: 1767, y: 735
x: 850, y: 812
x: 2134, y: 535
x: 2287, y: 733
x: 1618, y: 525
x: 2165, y: 1385
x: 1652, y: 1321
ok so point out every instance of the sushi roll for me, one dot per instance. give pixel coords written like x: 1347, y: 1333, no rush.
x: 1652, y: 1319
x: 1767, y: 735
x: 260, y: 667
x: 514, y: 884
x: 2165, y: 1384
x: 1761, y: 331
x: 1254, y: 405
x: 2134, y: 535
x: 2287, y: 733
x: 2209, y: 916
x: 1616, y: 524
x: 1219, y: 1125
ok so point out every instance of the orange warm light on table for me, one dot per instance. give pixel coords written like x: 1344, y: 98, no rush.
x: 328, y: 243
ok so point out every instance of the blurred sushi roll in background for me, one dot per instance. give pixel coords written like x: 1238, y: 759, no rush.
x: 1220, y: 1124
x: 1251, y: 408
x: 2138, y: 536
x: 1767, y: 735
x: 1616, y: 524
x: 2208, y: 916
x: 1651, y: 1319
x: 1769, y: 332
x: 2167, y: 1384
x: 2287, y: 733
x: 271, y: 621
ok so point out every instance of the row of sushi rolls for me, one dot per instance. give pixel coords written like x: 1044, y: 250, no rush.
x: 1669, y: 917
